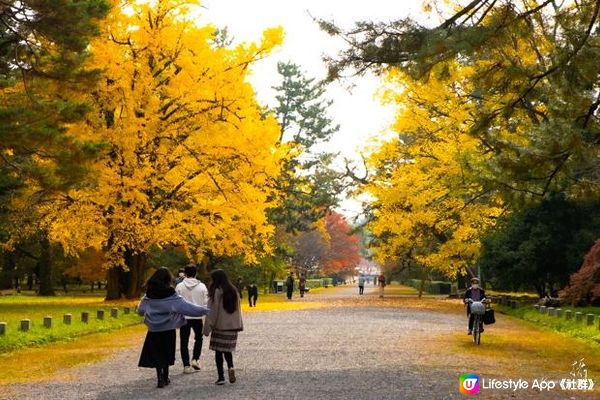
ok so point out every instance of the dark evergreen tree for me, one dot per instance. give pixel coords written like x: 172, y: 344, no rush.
x: 309, y: 185
x: 539, y: 247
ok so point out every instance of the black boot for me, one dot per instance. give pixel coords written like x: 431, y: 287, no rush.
x: 166, y: 379
x: 159, y: 376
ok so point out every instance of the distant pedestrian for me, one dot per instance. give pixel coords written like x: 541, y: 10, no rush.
x: 252, y: 295
x: 290, y: 285
x: 180, y: 277
x: 381, y: 281
x: 302, y: 284
x: 361, y: 284
x: 240, y: 287
x: 163, y: 312
x: 223, y: 322
x: 195, y: 292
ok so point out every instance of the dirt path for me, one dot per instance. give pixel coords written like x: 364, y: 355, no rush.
x: 353, y: 348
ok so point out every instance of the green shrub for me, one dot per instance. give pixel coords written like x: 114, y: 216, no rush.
x: 431, y: 287
x: 314, y: 283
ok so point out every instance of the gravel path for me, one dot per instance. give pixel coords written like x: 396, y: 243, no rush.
x: 329, y: 353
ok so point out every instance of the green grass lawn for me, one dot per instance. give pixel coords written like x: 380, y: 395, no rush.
x: 580, y: 330
x: 14, y: 308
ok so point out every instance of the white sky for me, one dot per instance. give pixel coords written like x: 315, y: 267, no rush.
x: 358, y: 112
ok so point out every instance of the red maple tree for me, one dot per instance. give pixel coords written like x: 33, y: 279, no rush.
x: 343, y: 252
x: 584, y: 285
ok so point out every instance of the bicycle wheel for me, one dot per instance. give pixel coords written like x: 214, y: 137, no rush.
x: 477, y: 330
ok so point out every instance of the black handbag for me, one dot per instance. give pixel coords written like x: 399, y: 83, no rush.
x: 489, y: 317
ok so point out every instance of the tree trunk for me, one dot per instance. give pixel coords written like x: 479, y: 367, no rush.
x: 421, y: 287
x: 45, y: 268
x: 113, y: 283
x: 8, y: 270
x: 136, y: 263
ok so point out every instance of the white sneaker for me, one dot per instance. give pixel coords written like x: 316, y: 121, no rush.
x: 195, y: 365
x: 188, y: 370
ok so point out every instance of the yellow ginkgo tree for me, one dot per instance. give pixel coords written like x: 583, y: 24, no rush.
x: 188, y: 155
x: 428, y: 208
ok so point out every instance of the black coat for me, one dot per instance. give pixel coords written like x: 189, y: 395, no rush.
x: 252, y: 290
x: 469, y: 294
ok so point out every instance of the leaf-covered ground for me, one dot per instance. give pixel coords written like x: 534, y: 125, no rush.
x: 340, y: 346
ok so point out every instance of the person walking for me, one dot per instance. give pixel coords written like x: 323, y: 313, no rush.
x: 302, y: 284
x: 223, y: 322
x: 163, y: 312
x: 240, y: 286
x: 361, y: 284
x: 290, y: 285
x: 180, y: 276
x: 381, y: 281
x: 194, y: 292
x: 252, y: 295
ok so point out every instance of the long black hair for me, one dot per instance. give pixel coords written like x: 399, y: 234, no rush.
x: 230, y: 294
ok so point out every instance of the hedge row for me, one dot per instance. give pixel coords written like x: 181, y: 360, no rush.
x: 315, y: 283
x: 432, y: 287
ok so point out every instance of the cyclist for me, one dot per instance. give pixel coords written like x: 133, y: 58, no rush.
x: 474, y: 293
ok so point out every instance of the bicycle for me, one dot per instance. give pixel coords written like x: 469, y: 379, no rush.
x: 478, y: 310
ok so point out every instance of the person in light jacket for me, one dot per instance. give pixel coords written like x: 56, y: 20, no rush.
x: 163, y: 312
x: 223, y: 322
x: 195, y: 292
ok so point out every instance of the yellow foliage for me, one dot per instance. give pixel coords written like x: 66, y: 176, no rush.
x: 428, y: 208
x: 189, y: 155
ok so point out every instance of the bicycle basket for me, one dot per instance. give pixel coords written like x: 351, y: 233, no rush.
x: 477, y: 308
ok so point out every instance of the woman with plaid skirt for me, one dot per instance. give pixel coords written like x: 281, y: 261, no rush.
x: 223, y: 322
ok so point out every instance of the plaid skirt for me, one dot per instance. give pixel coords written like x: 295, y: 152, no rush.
x: 223, y: 340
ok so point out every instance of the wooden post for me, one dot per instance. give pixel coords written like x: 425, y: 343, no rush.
x: 114, y: 312
x: 568, y: 314
x: 2, y: 328
x: 551, y: 311
x: 25, y: 324
x: 590, y: 319
x: 100, y: 314
x: 48, y: 321
x: 578, y: 316
x: 543, y: 309
x: 67, y: 319
x: 126, y: 310
x: 559, y: 312
x: 85, y: 317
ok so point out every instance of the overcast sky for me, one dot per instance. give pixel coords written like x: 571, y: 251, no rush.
x: 358, y: 112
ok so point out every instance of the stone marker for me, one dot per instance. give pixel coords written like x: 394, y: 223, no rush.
x: 568, y: 314
x: 514, y: 304
x: 578, y: 316
x: 67, y: 319
x: 85, y: 317
x: 25, y: 324
x: 126, y: 310
x: 2, y: 328
x: 543, y: 309
x: 48, y: 322
x: 100, y: 314
x: 590, y: 319
x: 114, y: 312
x: 551, y: 311
x: 537, y: 307
x: 559, y: 312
